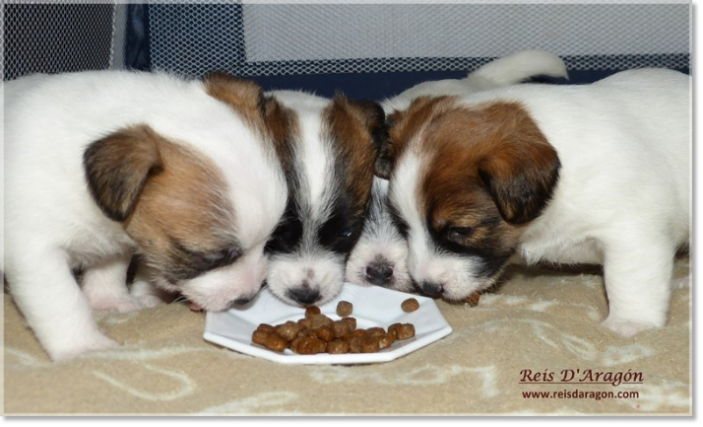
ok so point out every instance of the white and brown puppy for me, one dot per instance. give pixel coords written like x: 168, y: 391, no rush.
x: 594, y: 173
x: 101, y: 164
x: 329, y: 150
x: 379, y: 258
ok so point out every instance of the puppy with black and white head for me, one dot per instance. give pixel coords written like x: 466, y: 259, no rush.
x: 328, y: 149
x: 100, y: 165
x: 380, y: 256
x: 594, y: 173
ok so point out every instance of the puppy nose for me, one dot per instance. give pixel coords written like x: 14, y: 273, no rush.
x: 304, y: 296
x: 379, y: 273
x: 431, y: 288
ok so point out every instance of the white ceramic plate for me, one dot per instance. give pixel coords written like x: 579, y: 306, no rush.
x: 373, y: 306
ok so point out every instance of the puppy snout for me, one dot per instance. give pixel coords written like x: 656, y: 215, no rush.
x: 379, y: 273
x: 304, y: 296
x: 431, y: 288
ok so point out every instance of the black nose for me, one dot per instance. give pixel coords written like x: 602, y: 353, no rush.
x: 304, y: 296
x: 379, y: 273
x: 431, y: 288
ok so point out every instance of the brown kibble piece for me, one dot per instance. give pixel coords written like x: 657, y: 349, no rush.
x: 320, y: 320
x: 344, y: 308
x: 310, y: 345
x: 311, y: 311
x: 325, y: 333
x: 340, y: 329
x: 472, y: 300
x: 351, y: 322
x: 410, y: 305
x: 259, y: 336
x: 274, y: 342
x: 288, y: 331
x: 355, y: 344
x: 405, y: 331
x: 393, y: 331
x: 305, y: 323
x: 265, y: 327
x: 369, y: 344
x: 385, y: 341
x: 338, y: 347
x: 375, y: 332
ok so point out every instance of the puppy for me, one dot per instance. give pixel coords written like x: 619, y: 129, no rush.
x: 379, y: 258
x: 594, y: 173
x: 101, y: 164
x: 328, y: 150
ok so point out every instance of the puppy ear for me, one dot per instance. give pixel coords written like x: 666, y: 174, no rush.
x: 403, y: 125
x: 373, y: 119
x: 244, y: 96
x: 281, y: 125
x: 117, y: 168
x: 521, y: 174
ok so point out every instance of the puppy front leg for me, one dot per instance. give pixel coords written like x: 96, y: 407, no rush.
x: 105, y: 286
x: 48, y: 296
x: 637, y: 280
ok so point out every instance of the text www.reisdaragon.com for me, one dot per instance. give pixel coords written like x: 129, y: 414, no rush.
x: 579, y: 394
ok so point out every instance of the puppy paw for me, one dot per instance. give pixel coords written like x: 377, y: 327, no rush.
x: 150, y: 301
x: 96, y: 342
x: 627, y: 328
x: 123, y: 304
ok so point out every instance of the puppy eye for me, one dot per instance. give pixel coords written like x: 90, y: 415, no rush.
x: 459, y: 233
x: 219, y: 258
x: 346, y: 231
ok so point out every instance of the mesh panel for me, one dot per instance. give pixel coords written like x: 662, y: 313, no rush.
x: 52, y: 38
x: 262, y: 40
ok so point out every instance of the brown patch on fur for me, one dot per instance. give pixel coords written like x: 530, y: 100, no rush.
x: 357, y: 128
x: 490, y: 168
x: 244, y: 96
x: 263, y: 114
x: 117, y: 168
x: 178, y: 208
x: 404, y: 125
x: 282, y: 126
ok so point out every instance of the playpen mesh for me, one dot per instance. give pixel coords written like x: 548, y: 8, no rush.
x: 255, y: 38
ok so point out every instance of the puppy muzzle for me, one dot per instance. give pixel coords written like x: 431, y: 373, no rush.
x: 432, y: 289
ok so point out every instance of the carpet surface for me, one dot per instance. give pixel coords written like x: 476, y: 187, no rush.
x: 536, y: 325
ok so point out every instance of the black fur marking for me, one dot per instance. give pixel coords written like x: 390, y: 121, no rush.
x: 289, y: 232
x: 342, y: 230
x: 190, y: 263
x: 491, y: 259
x: 398, y: 221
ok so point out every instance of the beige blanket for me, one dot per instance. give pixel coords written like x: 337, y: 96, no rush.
x: 540, y: 321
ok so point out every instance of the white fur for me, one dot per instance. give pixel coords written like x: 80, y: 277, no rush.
x: 622, y: 199
x: 501, y: 72
x: 381, y: 242
x: 52, y: 223
x: 310, y: 265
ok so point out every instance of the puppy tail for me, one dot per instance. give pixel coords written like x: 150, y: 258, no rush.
x: 520, y: 66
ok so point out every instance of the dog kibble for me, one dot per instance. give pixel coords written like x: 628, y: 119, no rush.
x: 288, y: 331
x: 317, y: 333
x: 344, y: 308
x: 472, y: 300
x: 311, y: 311
x: 338, y: 347
x: 410, y: 305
